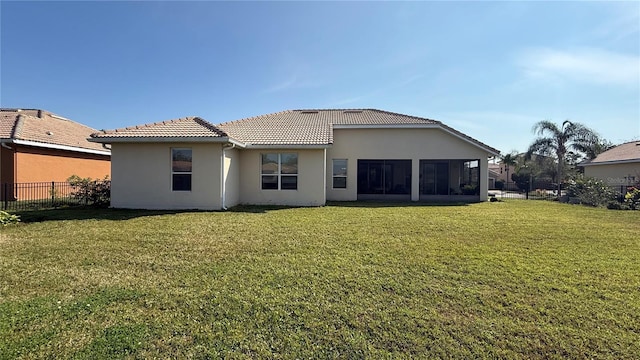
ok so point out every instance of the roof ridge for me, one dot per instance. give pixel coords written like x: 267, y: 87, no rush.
x: 410, y: 116
x: 17, y: 127
x: 209, y: 126
x: 257, y: 117
x: 141, y: 126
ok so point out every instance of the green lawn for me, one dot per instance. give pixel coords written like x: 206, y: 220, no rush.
x: 513, y: 279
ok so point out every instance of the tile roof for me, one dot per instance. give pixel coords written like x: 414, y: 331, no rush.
x: 187, y: 127
x: 627, y: 152
x: 44, y: 127
x: 315, y: 126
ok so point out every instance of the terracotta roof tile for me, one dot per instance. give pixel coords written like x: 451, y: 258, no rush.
x: 628, y: 152
x: 44, y: 127
x: 179, y: 128
x: 315, y: 126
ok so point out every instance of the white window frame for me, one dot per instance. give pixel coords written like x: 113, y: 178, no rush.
x: 279, y: 174
x: 173, y: 172
x: 334, y: 176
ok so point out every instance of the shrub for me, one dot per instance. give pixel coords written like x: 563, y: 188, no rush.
x: 632, y: 198
x: 469, y: 190
x: 590, y: 191
x: 522, y: 180
x: 91, y: 192
x: 8, y: 219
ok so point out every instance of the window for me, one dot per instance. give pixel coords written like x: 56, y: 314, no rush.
x: 279, y: 171
x: 339, y: 173
x: 181, y: 169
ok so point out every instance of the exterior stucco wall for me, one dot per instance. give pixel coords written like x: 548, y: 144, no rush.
x: 396, y: 144
x: 232, y: 177
x: 43, y: 165
x: 614, y: 174
x: 311, y: 175
x: 141, y: 176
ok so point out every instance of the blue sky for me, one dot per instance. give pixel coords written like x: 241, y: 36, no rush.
x: 488, y: 69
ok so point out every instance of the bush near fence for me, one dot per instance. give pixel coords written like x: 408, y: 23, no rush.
x: 46, y: 195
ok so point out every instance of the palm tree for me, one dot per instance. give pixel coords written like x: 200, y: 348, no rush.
x: 508, y: 160
x: 593, y: 146
x: 558, y: 141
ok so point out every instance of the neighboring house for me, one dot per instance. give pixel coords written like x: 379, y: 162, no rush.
x: 38, y: 146
x: 295, y: 157
x: 618, y: 166
x: 494, y: 175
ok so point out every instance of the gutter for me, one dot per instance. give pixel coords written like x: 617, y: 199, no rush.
x: 58, y: 147
x: 223, y: 188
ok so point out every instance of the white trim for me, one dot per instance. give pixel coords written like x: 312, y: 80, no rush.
x: 611, y: 162
x: 417, y: 126
x: 165, y: 139
x: 287, y: 147
x: 56, y: 147
x: 386, y: 126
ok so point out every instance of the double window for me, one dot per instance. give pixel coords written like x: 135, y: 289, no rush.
x: 181, y: 165
x: 339, y: 173
x: 279, y: 171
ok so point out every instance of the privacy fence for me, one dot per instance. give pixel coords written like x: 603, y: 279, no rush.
x: 46, y: 195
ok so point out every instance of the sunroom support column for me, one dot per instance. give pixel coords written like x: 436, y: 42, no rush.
x: 415, y: 179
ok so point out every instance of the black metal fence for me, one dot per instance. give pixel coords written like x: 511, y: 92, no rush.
x: 541, y: 191
x: 42, y: 195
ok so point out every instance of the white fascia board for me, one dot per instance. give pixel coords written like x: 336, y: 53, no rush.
x: 58, y: 147
x: 612, y: 162
x: 194, y: 139
x: 386, y: 126
x: 416, y: 126
x: 287, y: 146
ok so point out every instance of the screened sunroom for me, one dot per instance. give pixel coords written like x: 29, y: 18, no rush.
x: 449, y: 180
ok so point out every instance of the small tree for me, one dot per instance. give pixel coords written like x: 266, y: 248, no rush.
x: 91, y: 192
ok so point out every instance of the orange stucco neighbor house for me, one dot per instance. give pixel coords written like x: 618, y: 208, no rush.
x: 39, y: 146
x: 294, y: 158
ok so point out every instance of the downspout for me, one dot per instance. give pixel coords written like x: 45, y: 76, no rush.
x: 223, y: 189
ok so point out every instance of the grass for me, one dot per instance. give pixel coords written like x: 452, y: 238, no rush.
x: 513, y: 279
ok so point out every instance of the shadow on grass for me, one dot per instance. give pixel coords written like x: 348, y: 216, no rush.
x: 84, y: 213
x: 382, y: 204
x: 88, y: 213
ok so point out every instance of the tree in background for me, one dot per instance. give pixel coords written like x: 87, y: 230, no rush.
x: 506, y: 162
x: 593, y: 146
x: 558, y: 141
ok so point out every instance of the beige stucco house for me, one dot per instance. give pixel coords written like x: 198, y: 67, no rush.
x: 619, y: 166
x: 294, y: 157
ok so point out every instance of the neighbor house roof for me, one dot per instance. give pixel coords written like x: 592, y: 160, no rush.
x: 314, y: 127
x: 41, y: 128
x: 184, y: 129
x: 625, y: 153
